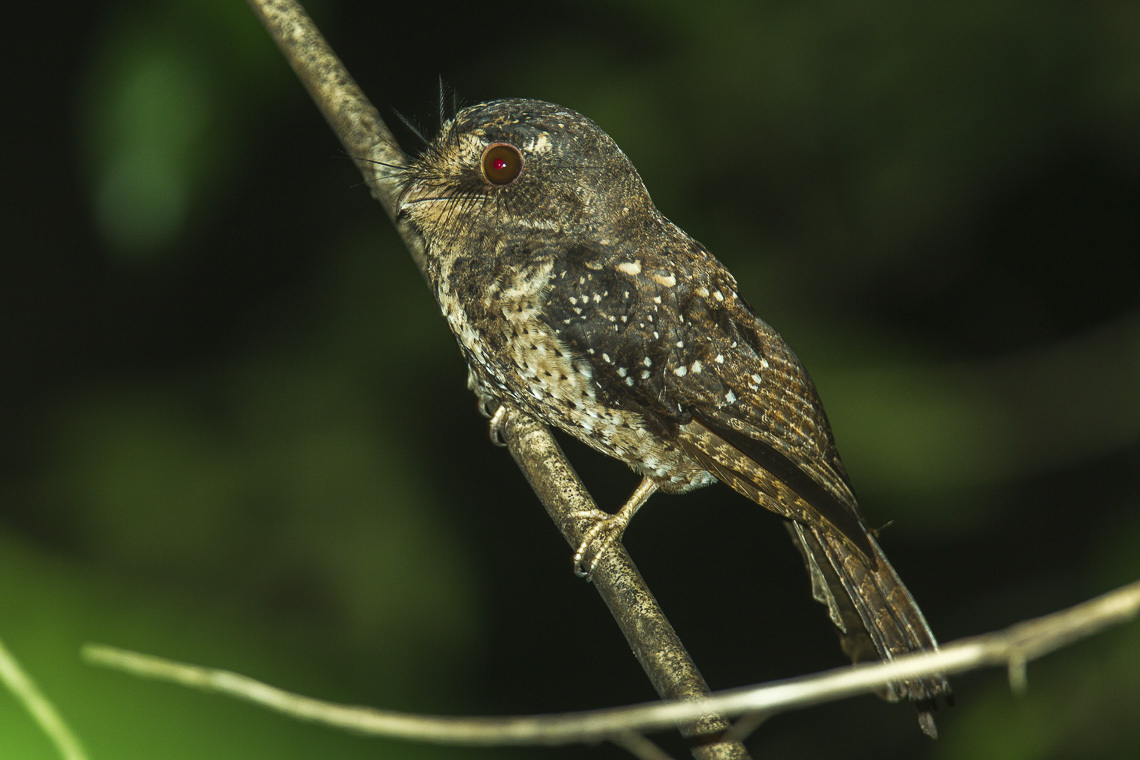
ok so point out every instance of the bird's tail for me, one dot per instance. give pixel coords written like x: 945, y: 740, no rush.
x: 874, y: 613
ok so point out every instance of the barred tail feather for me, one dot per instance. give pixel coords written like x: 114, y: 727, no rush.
x: 874, y: 613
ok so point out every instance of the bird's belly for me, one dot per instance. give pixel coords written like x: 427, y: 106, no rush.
x: 620, y: 433
x: 631, y: 441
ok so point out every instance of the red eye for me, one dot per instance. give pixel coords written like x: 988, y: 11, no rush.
x: 502, y: 163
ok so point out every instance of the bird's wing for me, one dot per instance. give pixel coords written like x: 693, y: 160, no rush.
x: 680, y: 345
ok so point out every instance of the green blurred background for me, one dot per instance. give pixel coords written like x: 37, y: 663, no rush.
x: 236, y: 432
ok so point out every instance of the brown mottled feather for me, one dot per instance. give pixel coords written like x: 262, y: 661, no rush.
x: 574, y: 299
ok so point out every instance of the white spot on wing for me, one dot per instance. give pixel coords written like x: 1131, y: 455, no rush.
x: 630, y: 267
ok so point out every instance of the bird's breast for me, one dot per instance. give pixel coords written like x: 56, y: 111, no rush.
x: 519, y: 358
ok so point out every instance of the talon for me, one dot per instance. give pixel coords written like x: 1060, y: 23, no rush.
x: 485, y: 402
x: 487, y: 407
x: 612, y: 525
x: 497, y: 427
x: 609, y: 527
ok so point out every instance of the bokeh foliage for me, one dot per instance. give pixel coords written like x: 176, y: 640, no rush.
x: 236, y: 432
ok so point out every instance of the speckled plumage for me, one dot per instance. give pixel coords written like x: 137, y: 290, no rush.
x: 575, y: 300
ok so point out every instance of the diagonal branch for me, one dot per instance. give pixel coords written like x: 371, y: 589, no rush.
x: 353, y: 118
x: 1011, y: 648
x: 367, y: 139
x: 24, y: 689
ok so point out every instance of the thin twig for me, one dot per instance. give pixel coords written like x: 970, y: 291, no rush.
x: 50, y: 721
x: 637, y: 745
x: 364, y: 135
x: 1016, y: 644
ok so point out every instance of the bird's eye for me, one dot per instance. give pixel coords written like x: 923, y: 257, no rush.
x: 502, y: 163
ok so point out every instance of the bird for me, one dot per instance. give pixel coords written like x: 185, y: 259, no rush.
x: 573, y: 299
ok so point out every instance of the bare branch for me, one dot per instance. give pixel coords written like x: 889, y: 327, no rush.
x: 637, y: 745
x: 353, y: 118
x: 358, y: 125
x: 1011, y: 648
x: 41, y: 709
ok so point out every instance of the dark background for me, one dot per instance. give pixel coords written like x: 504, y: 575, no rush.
x: 235, y: 431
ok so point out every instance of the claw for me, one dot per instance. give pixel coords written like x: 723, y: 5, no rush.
x: 498, y: 425
x: 486, y: 401
x: 608, y: 528
x: 487, y: 407
x: 490, y: 407
x: 611, y: 527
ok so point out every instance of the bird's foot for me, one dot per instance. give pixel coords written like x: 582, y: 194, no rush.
x: 491, y: 408
x: 501, y: 419
x: 598, y: 539
x: 607, y: 528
